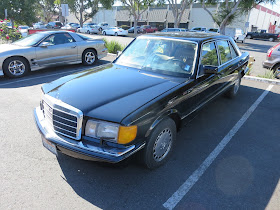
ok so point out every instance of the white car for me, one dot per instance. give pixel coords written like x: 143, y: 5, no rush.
x: 116, y: 31
x: 23, y: 30
x: 39, y: 25
x: 236, y: 33
x: 89, y: 29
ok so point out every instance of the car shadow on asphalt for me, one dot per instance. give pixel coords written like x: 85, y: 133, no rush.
x: 256, y: 47
x: 46, y: 75
x: 130, y: 186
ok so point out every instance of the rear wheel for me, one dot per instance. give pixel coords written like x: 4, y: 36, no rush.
x: 249, y: 37
x: 89, y: 57
x: 232, y: 92
x: 15, y: 67
x: 88, y: 32
x: 276, y: 70
x: 160, y: 144
x: 104, y: 33
x: 271, y: 39
x: 116, y: 34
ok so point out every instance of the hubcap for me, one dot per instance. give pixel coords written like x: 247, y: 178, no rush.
x: 277, y: 73
x: 236, y: 86
x: 162, y: 145
x: 16, y: 67
x: 90, y: 57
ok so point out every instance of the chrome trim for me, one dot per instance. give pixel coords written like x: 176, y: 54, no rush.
x: 49, y: 134
x: 60, y: 106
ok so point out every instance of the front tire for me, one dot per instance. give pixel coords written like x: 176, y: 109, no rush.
x: 271, y: 39
x: 232, y: 92
x: 89, y: 57
x: 88, y: 32
x: 104, y: 33
x: 160, y: 144
x: 116, y: 34
x: 16, y: 67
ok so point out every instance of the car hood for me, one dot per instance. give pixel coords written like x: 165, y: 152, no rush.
x: 10, y: 47
x: 109, y: 93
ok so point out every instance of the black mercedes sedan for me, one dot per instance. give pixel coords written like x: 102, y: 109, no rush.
x: 137, y: 103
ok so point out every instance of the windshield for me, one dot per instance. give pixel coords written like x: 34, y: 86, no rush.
x: 30, y: 40
x: 164, y: 56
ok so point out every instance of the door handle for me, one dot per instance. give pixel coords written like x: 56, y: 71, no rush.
x: 73, y: 47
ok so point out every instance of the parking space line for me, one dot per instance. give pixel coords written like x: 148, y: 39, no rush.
x: 190, y: 182
x: 49, y: 75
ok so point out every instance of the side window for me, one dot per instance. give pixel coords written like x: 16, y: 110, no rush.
x: 233, y: 51
x: 61, y: 38
x: 224, y: 51
x: 209, y: 56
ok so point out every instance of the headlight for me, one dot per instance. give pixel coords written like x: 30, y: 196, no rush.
x: 110, y: 131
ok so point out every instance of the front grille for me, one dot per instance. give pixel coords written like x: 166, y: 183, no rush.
x: 62, y: 118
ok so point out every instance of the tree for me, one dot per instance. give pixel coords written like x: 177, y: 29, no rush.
x: 136, y: 9
x: 21, y: 11
x: 178, y: 10
x: 86, y: 9
x: 229, y: 9
x: 48, y: 8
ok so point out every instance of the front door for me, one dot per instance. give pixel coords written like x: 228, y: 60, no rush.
x: 61, y: 48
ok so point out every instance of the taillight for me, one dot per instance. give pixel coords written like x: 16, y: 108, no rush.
x: 270, y: 51
x: 278, y: 35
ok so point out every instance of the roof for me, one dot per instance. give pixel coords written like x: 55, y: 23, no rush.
x: 193, y: 36
x: 55, y: 32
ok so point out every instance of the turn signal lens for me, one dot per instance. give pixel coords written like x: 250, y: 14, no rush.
x: 127, y: 134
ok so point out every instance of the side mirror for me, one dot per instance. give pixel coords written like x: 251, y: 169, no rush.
x: 210, y: 69
x: 119, y: 53
x: 44, y: 44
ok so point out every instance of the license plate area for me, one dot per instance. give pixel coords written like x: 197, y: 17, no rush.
x: 50, y: 146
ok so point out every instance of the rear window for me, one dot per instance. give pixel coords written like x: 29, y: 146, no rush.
x: 83, y: 37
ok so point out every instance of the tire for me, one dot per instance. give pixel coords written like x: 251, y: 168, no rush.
x: 116, y: 34
x: 249, y: 37
x: 232, y: 91
x: 88, y: 32
x: 271, y: 39
x: 104, y: 33
x: 152, y: 156
x: 100, y: 29
x: 16, y: 67
x: 276, y: 71
x: 89, y: 57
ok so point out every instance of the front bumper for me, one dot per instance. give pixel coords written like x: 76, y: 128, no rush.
x: 83, y: 149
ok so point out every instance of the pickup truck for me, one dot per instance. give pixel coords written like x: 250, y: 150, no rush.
x: 136, y: 104
x: 262, y: 35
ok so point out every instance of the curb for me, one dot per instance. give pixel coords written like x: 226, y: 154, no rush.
x: 111, y: 54
x: 259, y: 79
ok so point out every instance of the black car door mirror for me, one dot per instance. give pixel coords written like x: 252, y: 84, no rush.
x: 210, y: 69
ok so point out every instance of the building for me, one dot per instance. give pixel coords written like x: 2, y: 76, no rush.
x: 259, y: 17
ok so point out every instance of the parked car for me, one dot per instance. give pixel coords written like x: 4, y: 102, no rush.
x: 54, y: 25
x: 23, y: 30
x: 73, y: 26
x: 131, y: 30
x: 236, y: 33
x: 174, y: 30
x: 148, y: 93
x: 46, y: 49
x: 213, y: 30
x: 261, y: 34
x: 39, y: 25
x: 116, y: 31
x: 89, y: 29
x: 103, y: 26
x: 198, y: 29
x: 273, y: 60
x: 148, y: 29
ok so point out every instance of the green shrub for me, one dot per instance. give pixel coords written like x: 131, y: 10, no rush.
x: 113, y: 46
x: 8, y: 34
x: 268, y: 75
x: 125, y: 27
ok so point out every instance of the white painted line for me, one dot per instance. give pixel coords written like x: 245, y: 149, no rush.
x: 190, y: 182
x: 49, y: 75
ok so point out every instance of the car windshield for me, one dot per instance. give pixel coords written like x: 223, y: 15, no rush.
x: 30, y: 40
x: 165, y: 56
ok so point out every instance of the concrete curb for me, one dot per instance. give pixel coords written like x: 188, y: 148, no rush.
x: 111, y: 54
x: 259, y: 79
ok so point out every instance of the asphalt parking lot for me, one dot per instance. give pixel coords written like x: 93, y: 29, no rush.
x: 225, y: 158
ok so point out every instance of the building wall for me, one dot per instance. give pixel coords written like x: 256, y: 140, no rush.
x: 108, y: 16
x: 199, y: 17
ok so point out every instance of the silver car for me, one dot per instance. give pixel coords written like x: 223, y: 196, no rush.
x: 273, y: 60
x: 49, y: 48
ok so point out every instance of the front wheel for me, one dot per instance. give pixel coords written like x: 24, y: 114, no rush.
x: 160, y: 144
x: 232, y: 92
x: 104, y: 33
x: 249, y: 37
x: 89, y: 57
x: 15, y: 67
x: 271, y: 39
x: 116, y: 34
x: 88, y: 32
